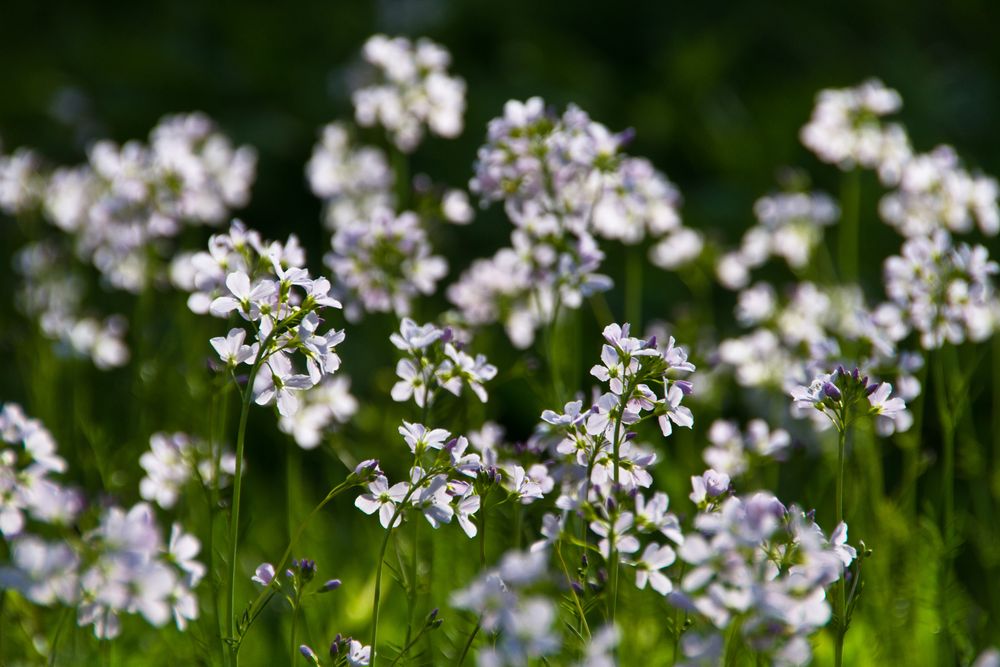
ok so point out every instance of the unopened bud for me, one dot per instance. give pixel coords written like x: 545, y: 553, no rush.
x: 831, y: 390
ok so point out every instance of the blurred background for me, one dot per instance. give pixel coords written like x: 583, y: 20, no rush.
x: 716, y: 93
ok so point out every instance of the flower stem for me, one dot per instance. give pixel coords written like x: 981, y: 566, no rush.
x: 633, y: 286
x: 841, y: 592
x: 409, y: 644
x: 850, y: 203
x: 293, y: 649
x: 613, y: 552
x: 468, y: 643
x: 947, y: 417
x: 265, y: 594
x: 234, y: 522
x: 377, y: 597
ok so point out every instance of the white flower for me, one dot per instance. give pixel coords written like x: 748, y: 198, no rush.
x: 263, y: 575
x: 231, y: 349
x: 277, y: 383
x: 419, y: 438
x: 245, y: 299
x: 654, y: 559
x: 383, y: 499
x: 358, y: 655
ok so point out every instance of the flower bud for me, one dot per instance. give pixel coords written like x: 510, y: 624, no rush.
x: 308, y: 654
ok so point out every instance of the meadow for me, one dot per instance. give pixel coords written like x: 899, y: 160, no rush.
x: 510, y: 407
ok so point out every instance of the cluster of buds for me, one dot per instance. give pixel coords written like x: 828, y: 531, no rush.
x: 844, y: 396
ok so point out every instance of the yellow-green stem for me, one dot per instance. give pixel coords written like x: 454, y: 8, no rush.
x: 850, y: 203
x: 841, y: 592
x: 234, y: 522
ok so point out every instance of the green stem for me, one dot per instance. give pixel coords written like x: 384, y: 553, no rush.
x: 266, y: 593
x: 292, y: 649
x: 613, y: 553
x: 234, y: 523
x: 850, y: 204
x: 377, y: 597
x: 947, y: 418
x: 409, y: 644
x: 552, y: 348
x: 841, y: 599
x: 401, y: 167
x: 995, y: 476
x: 840, y: 593
x: 412, y: 597
x: 633, y: 286
x: 469, y: 641
x: 677, y: 627
x: 54, y: 645
x: 482, y: 535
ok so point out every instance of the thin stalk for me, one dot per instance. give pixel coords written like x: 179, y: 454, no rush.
x: 412, y: 597
x: 482, y: 536
x: 850, y: 204
x: 841, y: 599
x: 613, y: 553
x: 293, y: 650
x: 54, y: 644
x: 633, y: 286
x: 377, y: 597
x: 677, y: 613
x: 576, y: 598
x: 266, y: 593
x: 409, y: 644
x: 552, y: 349
x: 401, y: 167
x: 469, y: 641
x: 234, y: 524
x: 947, y: 418
x: 996, y: 417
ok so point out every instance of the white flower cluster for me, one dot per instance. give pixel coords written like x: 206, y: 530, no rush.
x: 846, y: 129
x: 789, y: 226
x: 129, y: 197
x: 52, y: 293
x: 352, y: 182
x: 412, y: 90
x: 837, y: 396
x: 760, y: 567
x: 934, y: 191
x: 524, y: 624
x: 791, y: 342
x: 382, y: 263
x: 28, y: 458
x: 573, y: 168
x: 562, y: 180
x: 136, y: 573
x: 321, y: 409
x: 265, y: 284
x: 445, y: 480
x: 732, y: 453
x: 173, y: 460
x: 120, y: 567
x: 604, y: 472
x: 527, y: 480
x: 434, y: 362
x: 942, y: 290
x: 117, y: 212
x: 22, y: 185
